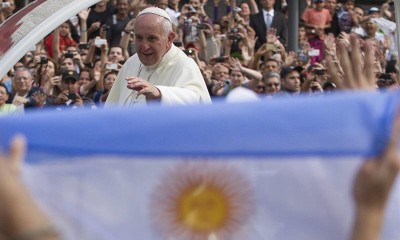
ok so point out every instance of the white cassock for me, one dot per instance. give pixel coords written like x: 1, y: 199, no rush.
x: 177, y: 76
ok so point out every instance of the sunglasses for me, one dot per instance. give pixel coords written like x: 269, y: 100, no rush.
x: 272, y: 84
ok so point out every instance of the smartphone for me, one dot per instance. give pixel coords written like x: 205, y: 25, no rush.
x: 201, y: 26
x: 112, y: 66
x: 99, y: 42
x: 319, y: 72
x: 72, y: 96
x: 44, y: 60
x: 188, y: 52
x: 313, y: 53
x: 83, y: 46
x: 68, y: 55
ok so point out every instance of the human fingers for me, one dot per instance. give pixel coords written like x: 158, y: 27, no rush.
x: 345, y: 62
x: 333, y: 70
x: 369, y: 63
x: 390, y: 154
x: 17, y: 152
x: 356, y: 61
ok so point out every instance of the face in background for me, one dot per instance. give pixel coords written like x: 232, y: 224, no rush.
x: 375, y: 14
x: 371, y: 28
x: 245, y: 12
x: 236, y: 78
x: 319, y: 5
x: 84, y: 77
x: 3, y: 95
x: 359, y: 13
x: 11, y: 8
x: 68, y: 64
x: 109, y: 80
x: 123, y: 6
x: 115, y: 55
x: 267, y: 4
x: 291, y: 81
x: 69, y: 84
x: 152, y: 42
x: 220, y: 72
x: 260, y: 89
x: 216, y: 29
x: 195, y: 3
x: 349, y: 6
x: 163, y: 4
x: 331, y: 5
x: 272, y: 85
x: 65, y: 29
x: 270, y: 66
x: 48, y: 69
x: 23, y: 81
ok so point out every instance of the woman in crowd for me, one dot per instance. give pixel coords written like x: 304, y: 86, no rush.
x: 5, y: 108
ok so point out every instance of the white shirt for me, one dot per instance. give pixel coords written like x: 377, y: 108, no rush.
x: 177, y: 76
x: 271, y: 13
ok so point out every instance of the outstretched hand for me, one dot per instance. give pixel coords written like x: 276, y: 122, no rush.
x: 372, y: 188
x: 358, y: 70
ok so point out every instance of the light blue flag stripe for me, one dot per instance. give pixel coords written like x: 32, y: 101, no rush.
x: 352, y: 123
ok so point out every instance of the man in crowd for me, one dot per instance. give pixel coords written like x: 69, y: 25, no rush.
x: 268, y: 18
x: 159, y: 71
x: 24, y: 95
x: 290, y: 80
x: 69, y: 96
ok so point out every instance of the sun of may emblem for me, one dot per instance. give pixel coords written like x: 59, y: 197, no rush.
x: 202, y: 200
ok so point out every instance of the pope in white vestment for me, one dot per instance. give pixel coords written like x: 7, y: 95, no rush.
x: 177, y: 76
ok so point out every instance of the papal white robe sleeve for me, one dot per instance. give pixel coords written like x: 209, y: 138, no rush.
x: 177, y: 77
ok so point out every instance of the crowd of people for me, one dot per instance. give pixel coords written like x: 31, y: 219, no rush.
x: 76, y: 65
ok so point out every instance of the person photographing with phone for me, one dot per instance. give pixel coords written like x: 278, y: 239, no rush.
x: 69, y: 97
x: 159, y: 71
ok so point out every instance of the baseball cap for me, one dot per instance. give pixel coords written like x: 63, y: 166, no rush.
x: 286, y: 70
x: 317, y: 1
x: 373, y: 9
x: 70, y: 75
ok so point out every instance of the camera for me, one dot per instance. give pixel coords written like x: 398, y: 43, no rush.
x: 228, y: 82
x: 237, y: 9
x: 220, y: 59
x: 385, y: 76
x: 201, y: 26
x: 72, y: 96
x: 44, y: 60
x: 188, y: 52
x: 83, y: 46
x: 234, y: 37
x: 319, y: 72
x: 68, y: 55
x: 234, y: 30
x: 187, y: 21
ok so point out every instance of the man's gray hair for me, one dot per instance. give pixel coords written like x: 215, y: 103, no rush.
x: 22, y: 69
x: 166, y: 25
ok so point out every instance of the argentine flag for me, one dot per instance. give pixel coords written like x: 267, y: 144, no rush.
x: 274, y: 169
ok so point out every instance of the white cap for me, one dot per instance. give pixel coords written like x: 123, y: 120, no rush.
x: 156, y: 11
